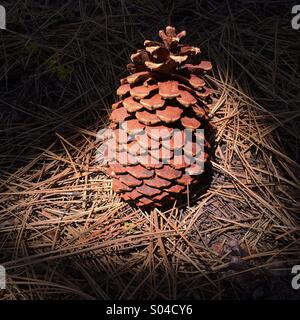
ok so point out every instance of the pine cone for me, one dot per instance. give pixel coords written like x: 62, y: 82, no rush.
x: 157, y: 148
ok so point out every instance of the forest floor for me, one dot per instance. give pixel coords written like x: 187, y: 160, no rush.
x: 65, y: 235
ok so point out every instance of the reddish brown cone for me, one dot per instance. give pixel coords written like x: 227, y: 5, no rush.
x: 165, y: 92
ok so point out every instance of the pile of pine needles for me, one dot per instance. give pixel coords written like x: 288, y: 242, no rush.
x: 65, y: 235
